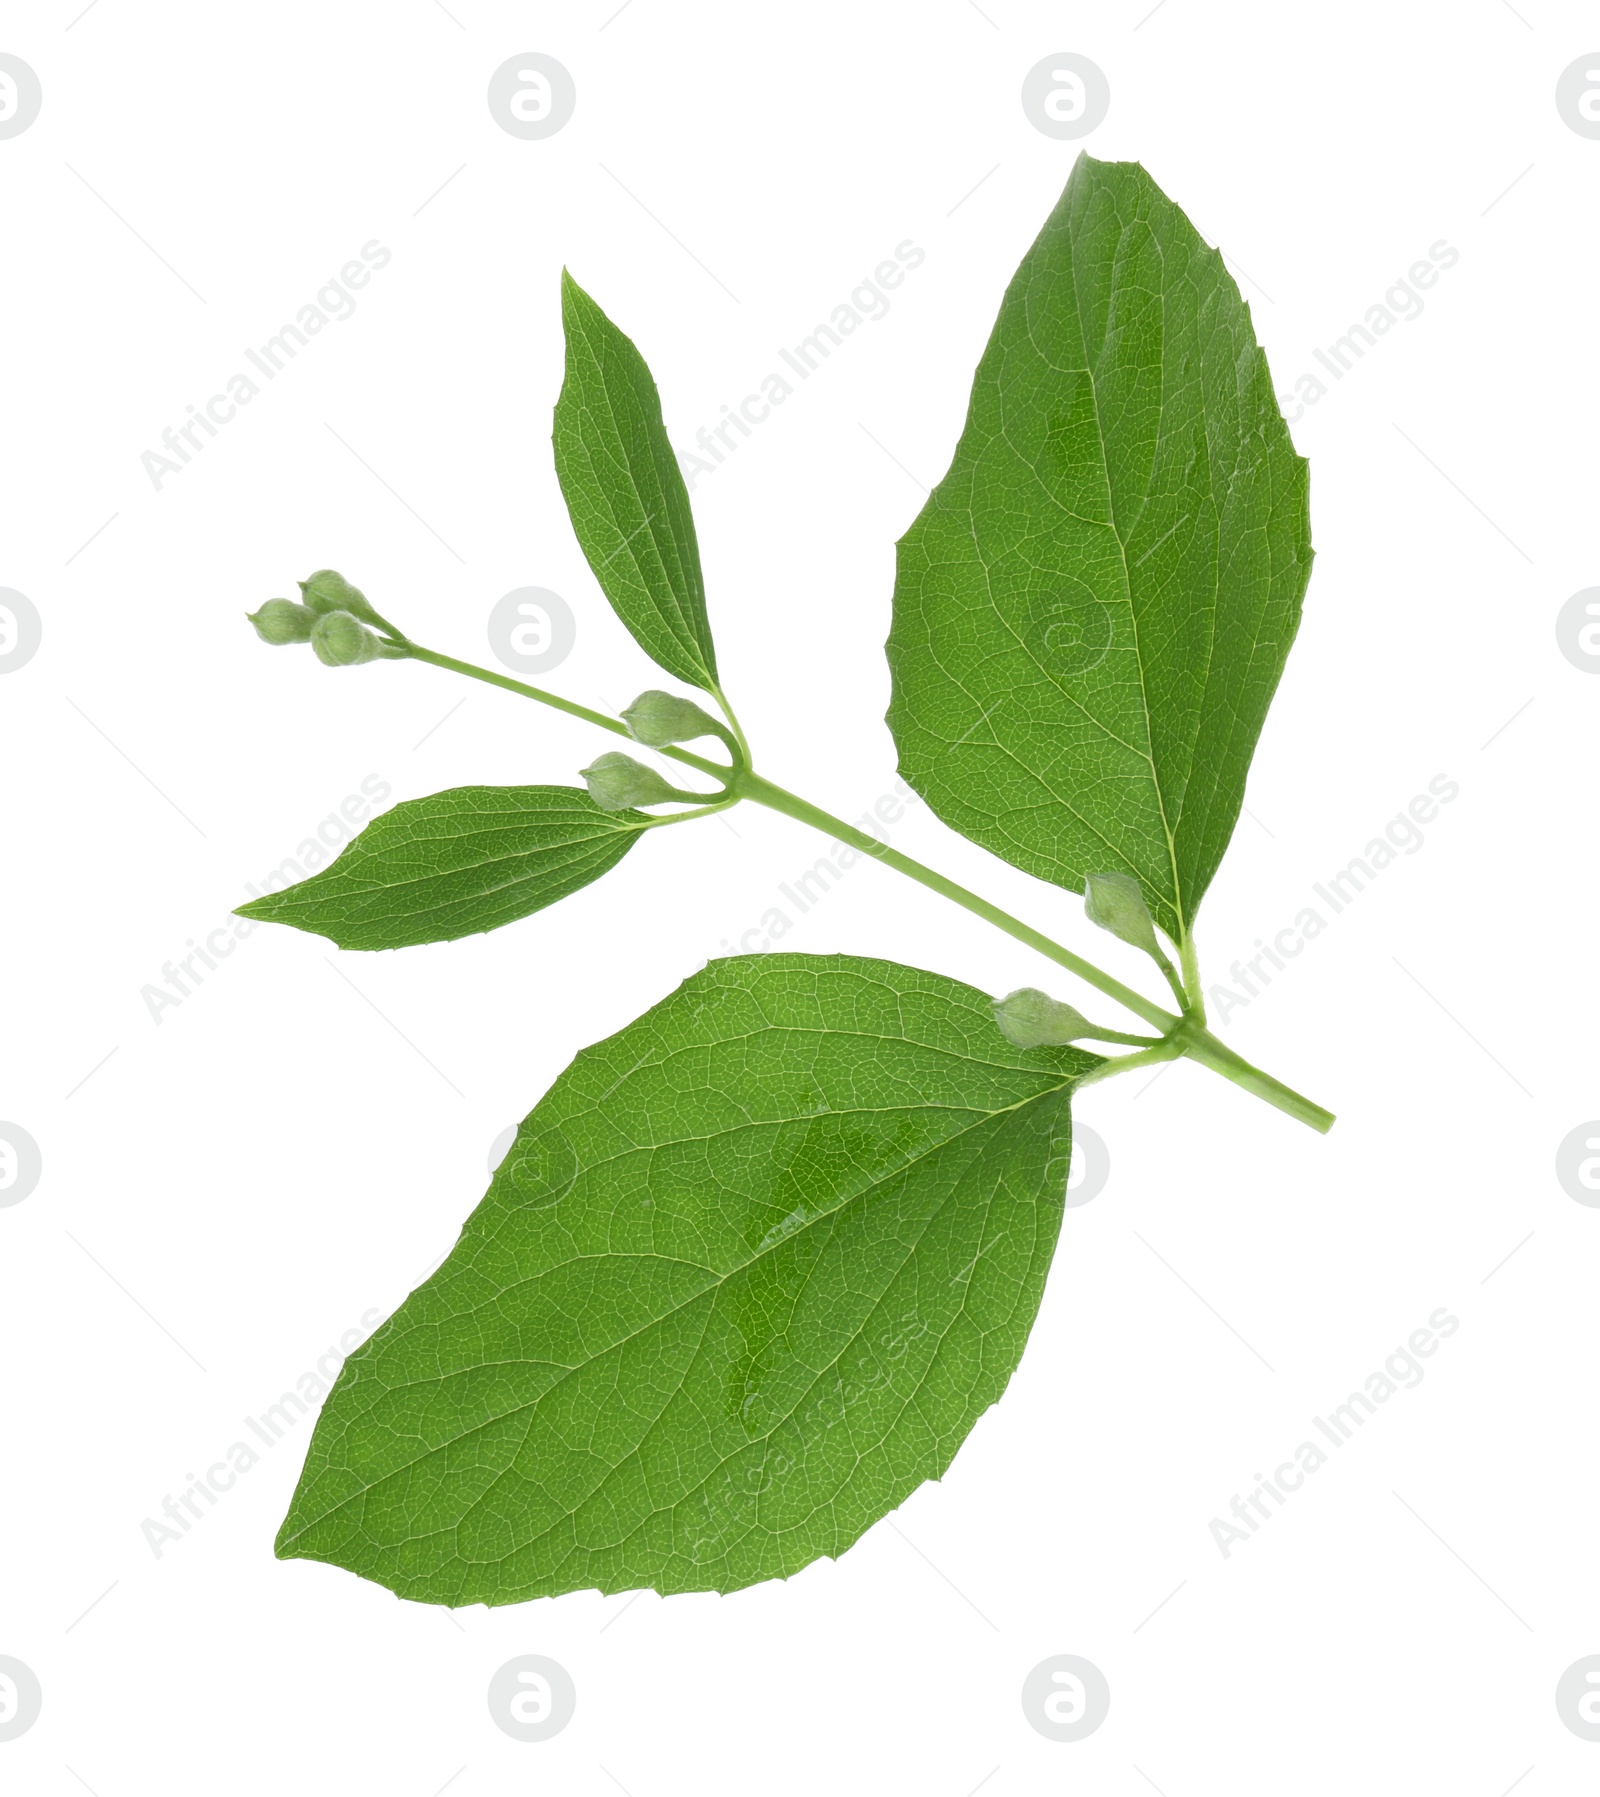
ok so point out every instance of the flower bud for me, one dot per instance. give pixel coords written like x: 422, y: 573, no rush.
x: 342, y: 641
x: 656, y: 719
x: 617, y: 781
x: 281, y: 621
x: 1115, y: 902
x: 1029, y: 1018
x: 327, y: 591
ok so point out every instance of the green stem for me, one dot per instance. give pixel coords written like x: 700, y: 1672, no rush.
x: 738, y: 747
x: 1170, y: 974
x: 775, y: 798
x: 571, y: 707
x: 748, y: 785
x: 1186, y: 1036
x: 1196, y: 1006
x: 1198, y: 1044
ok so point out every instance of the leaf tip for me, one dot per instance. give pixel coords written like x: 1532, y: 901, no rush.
x: 571, y: 293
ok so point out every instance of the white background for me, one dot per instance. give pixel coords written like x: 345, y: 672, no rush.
x: 297, y: 1142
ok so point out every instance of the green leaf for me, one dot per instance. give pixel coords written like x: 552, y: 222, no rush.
x: 625, y: 492
x: 456, y: 864
x: 751, y: 1271
x: 1093, y: 609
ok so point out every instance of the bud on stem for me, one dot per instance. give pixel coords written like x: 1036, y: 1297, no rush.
x: 1116, y: 903
x: 327, y: 591
x: 343, y: 641
x: 617, y: 782
x: 281, y: 621
x: 657, y: 719
x: 1029, y: 1018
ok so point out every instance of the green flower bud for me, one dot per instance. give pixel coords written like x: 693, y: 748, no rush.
x: 656, y: 719
x: 327, y: 591
x: 617, y: 781
x: 281, y: 621
x: 1029, y: 1018
x: 1115, y: 902
x: 342, y: 641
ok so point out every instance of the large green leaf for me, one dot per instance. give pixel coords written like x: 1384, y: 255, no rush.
x: 749, y: 1274
x: 625, y: 492
x: 1093, y: 609
x: 456, y: 864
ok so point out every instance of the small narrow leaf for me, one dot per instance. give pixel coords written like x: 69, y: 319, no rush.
x: 1093, y: 609
x: 456, y: 864
x: 625, y: 493
x: 751, y: 1271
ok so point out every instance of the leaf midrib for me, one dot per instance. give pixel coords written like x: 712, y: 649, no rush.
x: 583, y: 846
x: 1116, y: 533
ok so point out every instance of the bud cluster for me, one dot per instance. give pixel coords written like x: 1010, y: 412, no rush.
x: 333, y: 617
